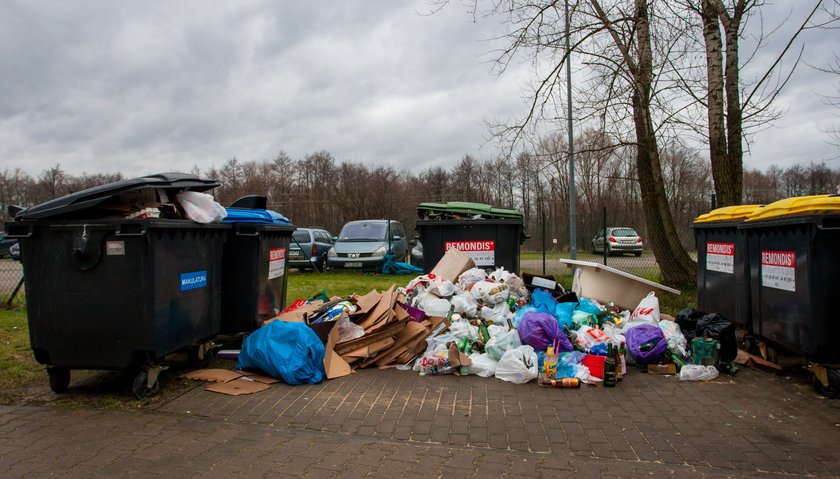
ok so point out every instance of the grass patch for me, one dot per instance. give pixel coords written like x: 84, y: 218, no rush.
x: 339, y: 283
x: 17, y: 365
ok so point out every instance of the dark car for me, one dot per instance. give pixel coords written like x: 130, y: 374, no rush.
x: 5, y: 245
x: 308, y: 248
x: 364, y: 244
x: 618, y: 240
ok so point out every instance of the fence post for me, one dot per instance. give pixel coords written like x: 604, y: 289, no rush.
x: 604, y: 243
x: 542, y: 218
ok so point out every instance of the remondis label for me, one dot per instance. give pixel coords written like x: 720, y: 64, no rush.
x: 778, y: 270
x: 482, y: 252
x: 720, y: 257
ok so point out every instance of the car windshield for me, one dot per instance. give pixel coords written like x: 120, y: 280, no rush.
x: 363, y: 232
x: 624, y: 232
x: 301, y: 236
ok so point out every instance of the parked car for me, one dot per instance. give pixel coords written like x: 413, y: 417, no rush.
x: 308, y: 248
x: 618, y: 240
x: 14, y: 251
x: 5, y: 244
x: 363, y: 244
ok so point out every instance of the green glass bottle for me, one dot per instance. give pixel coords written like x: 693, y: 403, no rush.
x: 609, y: 368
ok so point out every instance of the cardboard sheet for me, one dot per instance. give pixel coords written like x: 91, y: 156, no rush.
x: 238, y: 387
x: 452, y: 265
x: 213, y: 375
x: 334, y: 365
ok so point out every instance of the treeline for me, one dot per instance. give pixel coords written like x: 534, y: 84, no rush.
x: 319, y: 190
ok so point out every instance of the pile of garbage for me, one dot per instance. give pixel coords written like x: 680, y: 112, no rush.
x: 460, y: 319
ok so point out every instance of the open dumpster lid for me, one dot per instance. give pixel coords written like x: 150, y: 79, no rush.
x: 607, y: 284
x: 75, y: 203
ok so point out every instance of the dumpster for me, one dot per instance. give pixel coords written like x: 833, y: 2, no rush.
x: 490, y: 236
x: 723, y: 269
x: 115, y: 293
x: 793, y: 259
x: 255, y: 267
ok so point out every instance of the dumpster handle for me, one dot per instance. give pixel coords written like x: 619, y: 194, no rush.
x: 244, y: 230
x: 14, y: 230
x: 131, y: 229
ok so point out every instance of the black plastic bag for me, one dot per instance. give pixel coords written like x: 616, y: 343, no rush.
x: 687, y: 320
x: 715, y: 326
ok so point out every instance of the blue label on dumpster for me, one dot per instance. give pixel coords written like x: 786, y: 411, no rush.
x: 194, y: 280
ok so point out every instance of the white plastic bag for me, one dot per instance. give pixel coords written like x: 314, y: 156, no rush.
x: 490, y: 292
x: 434, y: 306
x: 697, y: 372
x: 465, y: 304
x: 498, y: 345
x: 441, y: 287
x: 497, y: 329
x: 471, y: 276
x: 201, y: 207
x: 498, y: 314
x: 518, y: 365
x: 482, y: 365
x: 647, y: 311
x: 676, y: 341
x: 348, y: 330
x: 462, y: 328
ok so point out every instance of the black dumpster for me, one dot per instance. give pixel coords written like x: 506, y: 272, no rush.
x: 723, y: 269
x: 490, y: 236
x: 255, y: 267
x: 793, y: 263
x: 109, y: 293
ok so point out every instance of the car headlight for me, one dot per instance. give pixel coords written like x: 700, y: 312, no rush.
x: 331, y: 253
x: 380, y: 251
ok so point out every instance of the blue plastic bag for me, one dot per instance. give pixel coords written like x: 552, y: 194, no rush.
x: 288, y: 351
x: 588, y: 306
x: 540, y: 330
x: 520, y: 313
x: 563, y: 313
x: 542, y: 301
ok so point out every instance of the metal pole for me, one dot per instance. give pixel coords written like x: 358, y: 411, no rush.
x: 604, y: 244
x: 543, y: 241
x: 572, y: 215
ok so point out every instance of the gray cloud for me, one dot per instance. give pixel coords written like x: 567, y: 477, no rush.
x: 142, y: 87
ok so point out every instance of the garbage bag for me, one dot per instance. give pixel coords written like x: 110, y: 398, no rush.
x: 389, y: 266
x: 715, y: 326
x: 541, y: 330
x: 687, y: 321
x: 563, y: 312
x: 465, y: 304
x: 471, y: 276
x: 201, y: 207
x: 520, y: 313
x: 697, y: 372
x: 676, y: 340
x: 498, y: 314
x: 482, y: 365
x: 348, y: 330
x: 588, y: 306
x: 647, y: 311
x: 518, y: 365
x: 499, y: 344
x: 490, y: 292
x: 542, y: 301
x: 288, y: 351
x: 645, y: 344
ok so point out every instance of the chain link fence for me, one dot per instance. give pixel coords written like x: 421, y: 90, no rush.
x: 11, y: 281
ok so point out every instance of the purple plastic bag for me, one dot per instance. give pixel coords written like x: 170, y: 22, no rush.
x: 641, y: 338
x: 539, y: 330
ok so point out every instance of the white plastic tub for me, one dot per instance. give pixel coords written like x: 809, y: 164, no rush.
x: 609, y: 285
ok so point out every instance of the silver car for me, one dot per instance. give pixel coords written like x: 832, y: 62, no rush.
x: 308, y: 248
x: 618, y: 240
x: 364, y: 244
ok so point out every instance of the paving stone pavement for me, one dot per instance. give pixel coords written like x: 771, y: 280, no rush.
x: 389, y: 423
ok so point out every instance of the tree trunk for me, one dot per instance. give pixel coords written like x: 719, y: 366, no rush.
x: 731, y: 186
x: 714, y: 86
x: 677, y: 267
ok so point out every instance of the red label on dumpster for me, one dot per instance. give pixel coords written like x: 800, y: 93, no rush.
x: 778, y: 269
x: 482, y: 252
x: 720, y: 257
x: 276, y: 262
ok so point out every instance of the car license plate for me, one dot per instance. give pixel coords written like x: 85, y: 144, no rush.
x: 295, y: 257
x: 352, y: 265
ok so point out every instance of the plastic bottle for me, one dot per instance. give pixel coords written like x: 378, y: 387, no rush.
x: 550, y: 363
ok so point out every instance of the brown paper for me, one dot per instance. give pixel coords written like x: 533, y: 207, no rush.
x: 334, y: 365
x: 452, y: 265
x: 238, y: 387
x: 214, y: 375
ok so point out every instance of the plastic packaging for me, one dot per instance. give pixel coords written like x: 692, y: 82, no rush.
x: 498, y: 314
x: 541, y: 330
x: 482, y: 365
x: 471, y: 276
x: 675, y: 338
x: 490, y: 292
x: 518, y: 365
x: 645, y: 344
x: 498, y: 345
x: 696, y: 372
x: 201, y: 207
x: 647, y: 311
x: 465, y: 304
x: 348, y: 330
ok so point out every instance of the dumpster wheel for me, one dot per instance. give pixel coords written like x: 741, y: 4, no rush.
x: 59, y: 379
x: 141, y: 386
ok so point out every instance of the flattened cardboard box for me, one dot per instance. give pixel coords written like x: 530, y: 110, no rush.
x: 214, y: 375
x: 452, y: 265
x: 238, y: 387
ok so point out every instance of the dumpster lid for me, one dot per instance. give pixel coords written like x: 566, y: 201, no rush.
x: 728, y: 213
x: 92, y: 197
x: 797, y: 206
x: 248, y: 215
x: 462, y: 208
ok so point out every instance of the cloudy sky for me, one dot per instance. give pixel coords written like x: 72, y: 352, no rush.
x: 143, y: 87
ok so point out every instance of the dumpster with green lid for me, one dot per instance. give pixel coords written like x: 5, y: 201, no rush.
x: 794, y: 260
x: 722, y: 264
x: 490, y: 236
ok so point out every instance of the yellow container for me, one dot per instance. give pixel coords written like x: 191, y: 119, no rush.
x: 728, y: 213
x: 798, y: 206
